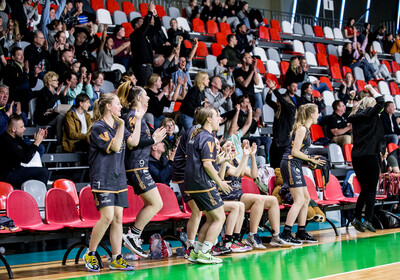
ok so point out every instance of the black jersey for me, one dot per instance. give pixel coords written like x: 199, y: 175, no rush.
x: 304, y: 147
x: 179, y: 164
x: 235, y: 182
x: 137, y: 157
x: 201, y: 148
x: 106, y: 168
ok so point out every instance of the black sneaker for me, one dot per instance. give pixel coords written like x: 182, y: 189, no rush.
x: 288, y: 239
x: 220, y: 249
x: 134, y: 244
x: 357, y: 225
x: 305, y: 237
x: 368, y: 226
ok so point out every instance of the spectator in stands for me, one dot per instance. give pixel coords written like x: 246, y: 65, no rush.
x: 57, y: 38
x: 16, y: 151
x: 229, y: 14
x: 231, y: 53
x: 65, y: 62
x: 124, y: 57
x: 6, y: 110
x: 97, y: 82
x: 160, y: 166
x: 307, y: 96
x: 243, y: 14
x: 48, y: 99
x: 72, y: 87
x: 366, y: 32
x: 350, y: 30
x: 157, y: 37
x: 348, y: 85
x: 350, y: 53
x: 388, y: 43
x: 49, y: 14
x: 36, y: 54
x: 295, y: 73
x: 205, y: 11
x: 285, y: 111
x: 390, y: 125
x: 380, y: 69
x: 86, y: 43
x: 12, y: 36
x: 256, y: 19
x: 378, y: 35
x: 31, y: 12
x: 171, y: 140
x: 82, y: 19
x: 321, y: 87
x: 220, y: 100
x: 339, y: 129
x: 66, y: 13
x: 192, y: 11
x: 184, y: 67
x: 194, y: 98
x: 173, y: 37
x: 396, y: 45
x: 173, y: 93
x: 225, y: 73
x: 246, y: 78
x: 17, y: 13
x: 105, y: 57
x: 18, y: 78
x: 165, y: 66
x: 243, y: 44
x: 141, y: 48
x: 77, y: 124
x: 216, y: 10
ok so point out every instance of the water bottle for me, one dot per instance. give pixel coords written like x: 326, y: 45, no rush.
x: 130, y: 257
x: 180, y: 251
x: 155, y: 247
x: 182, y: 236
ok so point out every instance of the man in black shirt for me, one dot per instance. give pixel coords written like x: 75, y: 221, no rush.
x: 15, y: 151
x: 160, y: 167
x: 390, y: 126
x: 243, y: 44
x: 246, y: 77
x: 36, y: 54
x: 339, y: 129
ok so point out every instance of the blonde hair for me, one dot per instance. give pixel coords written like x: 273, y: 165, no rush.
x: 293, y: 66
x: 151, y: 80
x: 99, y: 108
x: 123, y: 91
x: 201, y: 118
x: 302, y: 115
x: 198, y: 80
x: 364, y: 103
x: 15, y: 30
x: 48, y: 76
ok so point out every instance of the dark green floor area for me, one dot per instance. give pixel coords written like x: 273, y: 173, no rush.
x: 299, y: 263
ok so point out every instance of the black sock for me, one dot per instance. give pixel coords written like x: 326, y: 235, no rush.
x: 287, y: 229
x: 92, y: 253
x: 236, y: 236
x: 301, y: 229
x: 228, y: 238
x: 135, y: 230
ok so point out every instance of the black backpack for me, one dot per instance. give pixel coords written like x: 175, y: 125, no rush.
x: 387, y: 220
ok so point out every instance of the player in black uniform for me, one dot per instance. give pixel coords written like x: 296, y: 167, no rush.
x: 200, y: 175
x: 137, y: 162
x: 291, y: 167
x: 107, y: 178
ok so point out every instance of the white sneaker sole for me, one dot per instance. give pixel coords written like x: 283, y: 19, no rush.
x: 209, y: 261
x: 128, y: 246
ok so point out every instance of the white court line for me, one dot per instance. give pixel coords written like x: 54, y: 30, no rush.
x: 355, y: 271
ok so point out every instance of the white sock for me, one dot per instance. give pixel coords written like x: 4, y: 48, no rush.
x: 114, y: 256
x: 198, y: 247
x: 207, y: 245
x: 190, y: 243
x: 252, y: 233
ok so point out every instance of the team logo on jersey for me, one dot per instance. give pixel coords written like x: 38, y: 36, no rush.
x: 297, y: 170
x: 211, y: 146
x: 132, y: 121
x: 104, y: 136
x: 148, y: 132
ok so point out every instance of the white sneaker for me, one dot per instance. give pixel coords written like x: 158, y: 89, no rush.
x: 133, y: 243
x: 255, y: 242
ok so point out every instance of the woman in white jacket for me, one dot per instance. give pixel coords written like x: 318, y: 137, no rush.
x: 372, y: 57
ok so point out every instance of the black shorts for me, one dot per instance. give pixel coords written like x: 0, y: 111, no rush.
x: 292, y: 174
x: 185, y: 196
x: 141, y: 180
x: 207, y: 201
x: 234, y: 195
x: 103, y: 199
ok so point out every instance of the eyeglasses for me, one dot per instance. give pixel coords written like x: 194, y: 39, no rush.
x: 54, y: 80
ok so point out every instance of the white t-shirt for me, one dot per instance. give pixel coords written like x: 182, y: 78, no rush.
x: 82, y: 119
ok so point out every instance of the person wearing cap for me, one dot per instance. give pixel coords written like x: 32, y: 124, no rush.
x: 225, y: 73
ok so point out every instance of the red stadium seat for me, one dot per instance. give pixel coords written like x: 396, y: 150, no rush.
x: 283, y: 67
x: 221, y: 39
x: 248, y: 186
x: 273, y: 78
x: 347, y: 148
x: 394, y: 88
x: 265, y: 21
x: 87, y: 205
x: 391, y: 147
x: 135, y: 205
x: 312, y: 191
x: 326, y: 81
x: 263, y: 33
x: 319, y: 180
x: 23, y: 210
x: 345, y: 70
x: 170, y: 207
x: 177, y: 105
x: 373, y: 83
x: 333, y: 191
x: 357, y: 189
x: 320, y: 48
x: 184, y: 13
x: 261, y: 67
x: 395, y: 66
x: 5, y: 189
x: 143, y: 9
x: 386, y: 63
x: 188, y: 45
x: 274, y: 33
x: 225, y: 28
x: 186, y: 208
x: 198, y: 25
x: 271, y: 186
x: 333, y: 60
x: 216, y: 49
x: 128, y: 7
x: 160, y: 11
x: 275, y: 24
x: 321, y: 59
x: 67, y: 186
x: 212, y: 27
x: 112, y: 6
x: 360, y: 85
x: 316, y: 132
x: 97, y: 4
x: 39, y: 8
x: 335, y: 72
x: 128, y: 29
x: 202, y: 50
x: 318, y: 32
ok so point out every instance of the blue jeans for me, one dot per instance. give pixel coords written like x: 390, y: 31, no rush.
x: 258, y: 102
x: 392, y: 138
x: 157, y: 121
x: 322, y: 87
x: 187, y: 122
